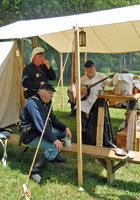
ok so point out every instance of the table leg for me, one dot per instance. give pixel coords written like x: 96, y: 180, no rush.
x: 110, y: 174
x: 131, y: 129
x: 100, y: 123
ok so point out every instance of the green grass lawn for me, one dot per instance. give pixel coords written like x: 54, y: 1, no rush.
x: 62, y: 179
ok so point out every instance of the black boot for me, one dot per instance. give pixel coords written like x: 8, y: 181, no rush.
x: 59, y: 159
x: 39, y: 164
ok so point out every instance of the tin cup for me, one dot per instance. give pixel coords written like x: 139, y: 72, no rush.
x: 124, y: 93
x: 101, y: 92
x: 67, y: 142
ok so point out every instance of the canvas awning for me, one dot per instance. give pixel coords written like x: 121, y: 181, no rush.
x: 109, y: 31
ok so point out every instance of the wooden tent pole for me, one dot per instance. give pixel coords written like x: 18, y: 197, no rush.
x: 22, y: 44
x: 22, y: 89
x: 78, y: 107
x: 85, y: 55
x: 61, y: 71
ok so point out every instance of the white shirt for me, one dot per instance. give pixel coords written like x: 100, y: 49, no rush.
x: 87, y: 104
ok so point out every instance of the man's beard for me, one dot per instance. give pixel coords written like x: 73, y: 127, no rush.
x: 91, y: 74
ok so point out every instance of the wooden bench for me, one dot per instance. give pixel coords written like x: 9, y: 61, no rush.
x: 106, y: 156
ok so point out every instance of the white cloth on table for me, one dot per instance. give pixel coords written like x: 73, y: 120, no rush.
x: 128, y: 78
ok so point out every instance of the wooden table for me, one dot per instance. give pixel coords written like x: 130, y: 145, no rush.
x: 131, y: 101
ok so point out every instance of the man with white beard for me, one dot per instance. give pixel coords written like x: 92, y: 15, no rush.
x: 91, y: 77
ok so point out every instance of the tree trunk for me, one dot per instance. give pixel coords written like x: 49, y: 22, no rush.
x: 120, y: 62
x: 57, y: 60
x: 124, y: 61
x: 130, y: 60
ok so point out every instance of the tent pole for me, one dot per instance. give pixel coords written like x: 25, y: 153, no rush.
x: 85, y: 55
x: 61, y: 72
x: 22, y: 96
x: 22, y: 44
x: 78, y: 107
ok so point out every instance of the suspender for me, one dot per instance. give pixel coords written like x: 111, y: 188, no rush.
x: 99, y: 77
x: 40, y: 70
x: 44, y: 105
x: 50, y: 121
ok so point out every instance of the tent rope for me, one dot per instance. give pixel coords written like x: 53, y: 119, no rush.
x: 47, y: 118
x: 72, y: 64
x: 72, y: 74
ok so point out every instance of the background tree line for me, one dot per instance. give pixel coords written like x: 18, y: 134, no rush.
x: 14, y: 10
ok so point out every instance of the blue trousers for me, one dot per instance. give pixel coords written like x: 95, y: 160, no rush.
x: 49, y: 148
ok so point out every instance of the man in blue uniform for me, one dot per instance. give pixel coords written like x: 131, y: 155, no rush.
x: 37, y: 72
x: 35, y: 112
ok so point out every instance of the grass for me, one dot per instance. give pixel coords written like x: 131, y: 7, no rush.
x: 62, y: 179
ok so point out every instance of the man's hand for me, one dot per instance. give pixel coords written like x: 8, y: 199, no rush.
x: 58, y: 145
x: 68, y: 132
x: 83, y: 91
x: 46, y: 62
x: 41, y: 83
x: 111, y: 83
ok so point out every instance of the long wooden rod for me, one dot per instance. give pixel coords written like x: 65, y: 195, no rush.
x: 61, y: 69
x: 78, y: 107
x: 85, y: 56
x: 22, y: 96
x: 22, y: 45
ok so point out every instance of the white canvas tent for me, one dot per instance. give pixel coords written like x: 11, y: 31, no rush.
x: 10, y: 84
x: 109, y: 31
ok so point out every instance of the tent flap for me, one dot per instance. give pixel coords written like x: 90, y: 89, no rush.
x: 10, y: 85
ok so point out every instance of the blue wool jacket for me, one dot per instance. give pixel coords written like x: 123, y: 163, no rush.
x: 32, y: 76
x: 35, y: 112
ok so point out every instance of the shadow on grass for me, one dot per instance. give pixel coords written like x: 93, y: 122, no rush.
x: 109, y: 196
x: 93, y: 182
x: 93, y: 174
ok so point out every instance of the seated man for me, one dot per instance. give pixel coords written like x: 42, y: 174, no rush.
x: 35, y: 112
x: 91, y: 77
x: 37, y: 72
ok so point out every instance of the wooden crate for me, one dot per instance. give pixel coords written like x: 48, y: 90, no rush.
x: 121, y: 139
x: 138, y: 144
x: 138, y: 141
